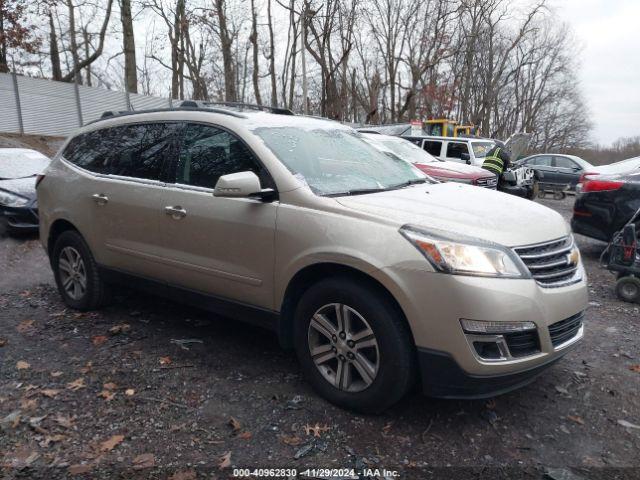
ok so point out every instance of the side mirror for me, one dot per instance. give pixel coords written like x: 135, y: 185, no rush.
x: 242, y: 185
x: 466, y: 158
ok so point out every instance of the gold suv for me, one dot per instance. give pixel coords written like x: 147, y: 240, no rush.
x: 376, y: 274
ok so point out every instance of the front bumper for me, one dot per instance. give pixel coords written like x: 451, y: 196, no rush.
x: 434, y: 304
x: 20, y: 218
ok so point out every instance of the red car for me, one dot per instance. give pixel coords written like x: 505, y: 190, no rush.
x: 438, y: 169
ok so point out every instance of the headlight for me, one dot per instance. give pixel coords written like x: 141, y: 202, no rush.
x: 465, y: 255
x: 12, y: 200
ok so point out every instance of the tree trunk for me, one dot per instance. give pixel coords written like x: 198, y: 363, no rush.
x: 4, y: 67
x: 253, y: 38
x: 128, y: 47
x: 226, y: 43
x: 54, y: 54
x: 74, y: 45
x: 272, y: 62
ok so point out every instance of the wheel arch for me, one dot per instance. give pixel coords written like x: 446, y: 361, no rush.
x: 312, y: 274
x: 58, y: 227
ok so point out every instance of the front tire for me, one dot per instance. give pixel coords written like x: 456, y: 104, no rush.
x: 353, y: 345
x: 76, y: 273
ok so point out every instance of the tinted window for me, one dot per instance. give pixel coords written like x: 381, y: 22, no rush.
x: 208, y: 152
x: 456, y: 149
x: 135, y: 151
x: 564, y: 162
x: 434, y: 148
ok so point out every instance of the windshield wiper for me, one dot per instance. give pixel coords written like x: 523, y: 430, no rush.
x: 408, y: 183
x: 357, y: 191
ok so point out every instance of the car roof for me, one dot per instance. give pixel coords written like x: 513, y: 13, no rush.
x: 19, y: 150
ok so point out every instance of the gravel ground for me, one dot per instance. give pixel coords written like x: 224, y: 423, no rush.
x: 119, y: 393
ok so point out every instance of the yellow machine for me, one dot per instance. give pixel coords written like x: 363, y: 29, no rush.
x: 448, y: 128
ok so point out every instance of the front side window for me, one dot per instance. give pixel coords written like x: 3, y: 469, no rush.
x: 541, y: 161
x: 208, y: 152
x: 432, y: 148
x: 137, y: 150
x: 456, y: 149
x: 335, y: 161
x: 480, y: 149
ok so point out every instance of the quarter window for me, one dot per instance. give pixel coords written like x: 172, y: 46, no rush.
x: 137, y: 150
x: 434, y: 148
x: 456, y: 149
x: 208, y: 152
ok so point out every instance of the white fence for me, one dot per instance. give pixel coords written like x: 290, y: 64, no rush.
x: 44, y: 107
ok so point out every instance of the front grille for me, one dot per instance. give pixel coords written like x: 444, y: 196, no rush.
x: 564, y: 330
x: 552, y: 264
x: 487, y: 182
x: 522, y: 344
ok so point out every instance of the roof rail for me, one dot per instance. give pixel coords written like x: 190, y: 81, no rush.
x: 239, y: 105
x: 114, y: 114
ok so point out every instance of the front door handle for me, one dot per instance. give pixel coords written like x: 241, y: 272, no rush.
x: 176, y: 212
x: 100, y: 198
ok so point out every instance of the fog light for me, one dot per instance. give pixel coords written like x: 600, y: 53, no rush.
x: 481, y: 326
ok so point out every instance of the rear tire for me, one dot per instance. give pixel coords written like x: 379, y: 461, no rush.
x: 369, y: 364
x: 76, y: 273
x: 628, y: 289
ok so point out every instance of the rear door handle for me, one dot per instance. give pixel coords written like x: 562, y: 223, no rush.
x: 176, y: 212
x: 100, y: 198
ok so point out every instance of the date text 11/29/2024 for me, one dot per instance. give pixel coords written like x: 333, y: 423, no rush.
x: 315, y: 473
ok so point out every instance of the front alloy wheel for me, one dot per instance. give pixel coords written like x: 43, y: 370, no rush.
x: 343, y: 347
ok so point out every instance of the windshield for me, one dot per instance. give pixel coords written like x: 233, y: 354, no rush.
x: 21, y: 164
x: 337, y: 161
x: 480, y: 149
x: 402, y: 148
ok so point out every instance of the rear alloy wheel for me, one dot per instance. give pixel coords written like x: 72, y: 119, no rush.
x: 354, y: 345
x: 76, y: 273
x: 628, y: 289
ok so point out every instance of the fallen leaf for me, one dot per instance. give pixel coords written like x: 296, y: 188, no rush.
x: 110, y: 444
x: 117, y: 329
x: 25, y: 326
x: 49, y: 439
x: 110, y: 386
x: 235, y: 424
x: 28, y: 404
x: 98, y: 340
x: 291, y: 440
x: 165, y: 360
x: 576, y: 419
x: 224, y: 461
x: 50, y: 392
x: 627, y: 424
x: 56, y: 374
x: 635, y: 368
x: 146, y: 460
x: 22, y: 365
x: 107, y: 395
x: 246, y: 435
x: 184, y: 475
x: 79, y: 469
x: 129, y: 392
x: 25, y: 294
x: 66, y: 422
x: 77, y: 384
x: 13, y: 419
x: 87, y: 368
x: 386, y: 429
x: 317, y: 430
x: 3, y: 342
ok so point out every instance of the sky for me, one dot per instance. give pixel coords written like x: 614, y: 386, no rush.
x: 610, y: 73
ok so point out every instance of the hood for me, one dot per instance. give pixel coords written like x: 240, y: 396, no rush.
x: 454, y: 169
x: 25, y: 187
x: 465, y: 210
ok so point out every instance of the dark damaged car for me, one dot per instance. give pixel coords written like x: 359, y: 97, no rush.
x: 19, y: 168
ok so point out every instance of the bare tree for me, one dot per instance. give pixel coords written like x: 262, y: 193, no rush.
x: 129, y: 47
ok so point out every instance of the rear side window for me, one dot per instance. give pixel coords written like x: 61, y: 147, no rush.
x: 434, y: 148
x: 456, y: 149
x: 207, y: 153
x: 137, y: 150
x: 564, y: 162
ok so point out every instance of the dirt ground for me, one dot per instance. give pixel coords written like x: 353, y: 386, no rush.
x: 151, y: 389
